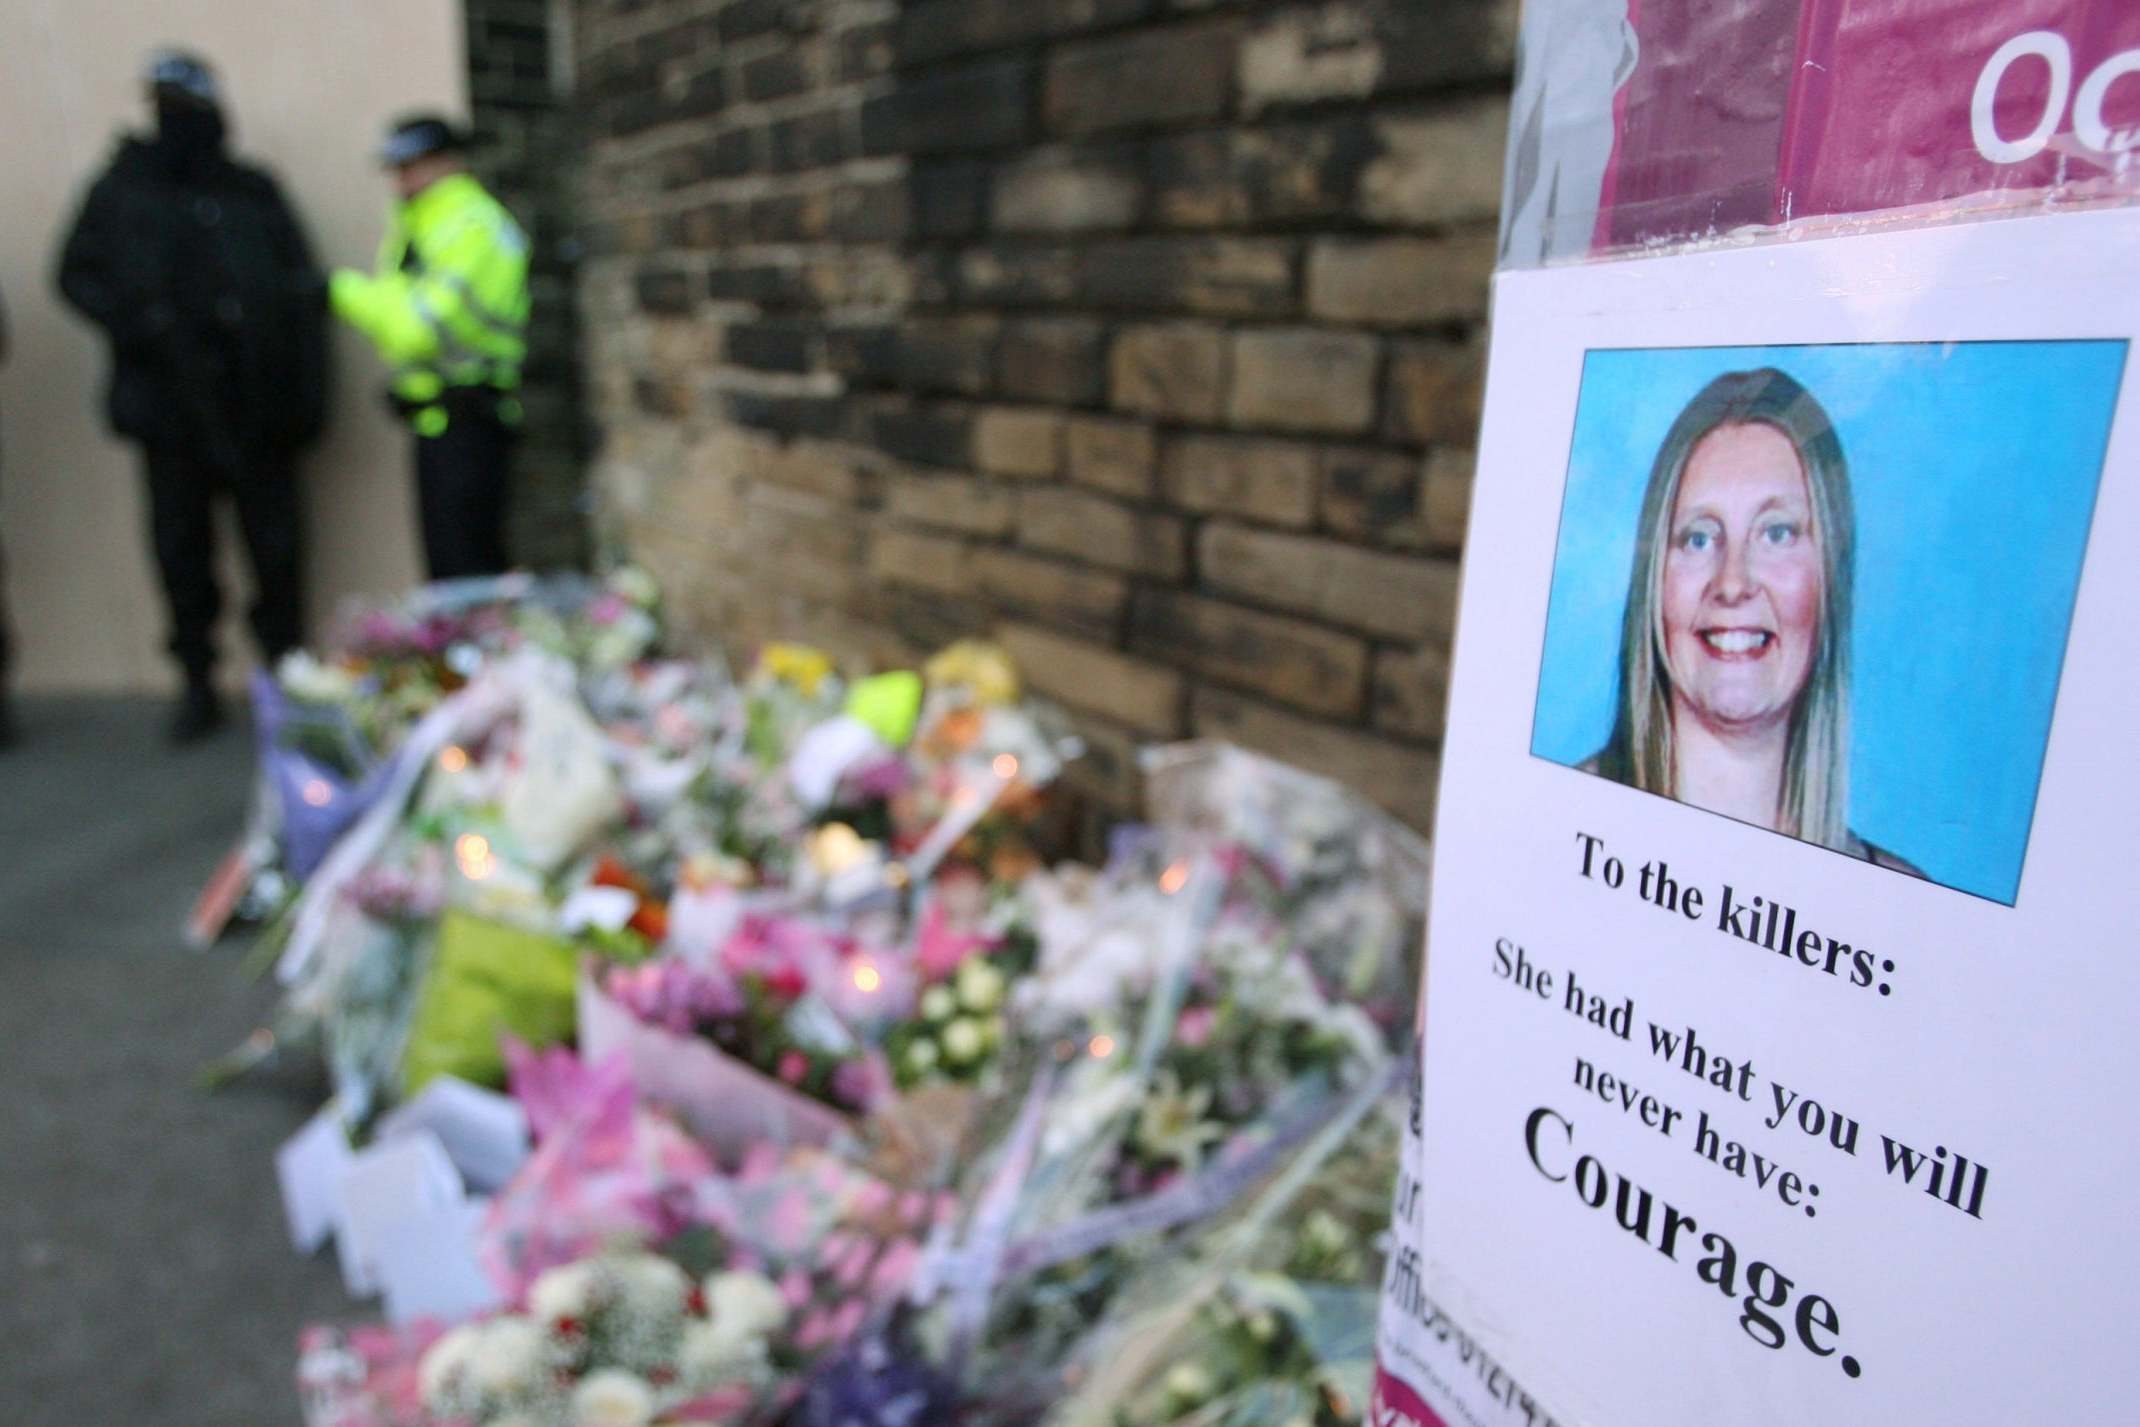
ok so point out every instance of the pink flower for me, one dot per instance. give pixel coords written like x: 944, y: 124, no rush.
x: 1194, y: 1028
x: 794, y: 1067
x: 795, y: 1287
x: 895, y: 1270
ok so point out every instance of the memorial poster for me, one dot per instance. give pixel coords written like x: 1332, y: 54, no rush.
x: 1778, y: 1054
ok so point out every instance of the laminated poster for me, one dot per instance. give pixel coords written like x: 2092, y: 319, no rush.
x: 1779, y: 1018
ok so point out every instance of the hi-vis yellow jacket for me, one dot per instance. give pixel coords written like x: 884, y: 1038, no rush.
x: 448, y: 305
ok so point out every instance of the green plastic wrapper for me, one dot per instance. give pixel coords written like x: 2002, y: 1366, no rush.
x: 486, y: 980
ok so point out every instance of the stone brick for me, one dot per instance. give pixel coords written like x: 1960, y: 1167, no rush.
x: 1061, y: 521
x: 949, y: 198
x: 983, y: 106
x: 791, y: 217
x: 1290, y: 173
x: 1437, y: 168
x: 773, y: 345
x: 1225, y: 277
x: 789, y: 413
x: 934, y: 29
x: 1394, y: 596
x: 950, y: 503
x: 1146, y: 697
x: 1373, y: 494
x: 768, y: 284
x: 936, y: 436
x: 1109, y: 772
x: 1017, y: 276
x: 1177, y: 372
x: 1302, y: 379
x: 1119, y: 457
x: 1023, y: 442
x: 813, y: 467
x: 1060, y: 191
x: 952, y: 354
x: 1310, y: 56
x: 1434, y: 391
x: 1073, y: 597
x: 665, y: 290
x: 1412, y: 691
x: 776, y: 75
x: 867, y: 50
x: 746, y: 19
x: 1401, y: 780
x: 1298, y: 663
x: 1268, y: 481
x: 870, y: 212
x: 1448, y: 477
x: 1400, y: 282
x: 813, y: 140
x: 1178, y: 75
x: 1430, y: 46
x: 1053, y: 359
x: 927, y: 562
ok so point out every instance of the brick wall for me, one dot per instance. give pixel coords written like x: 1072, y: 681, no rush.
x: 1143, y: 334
x: 525, y: 138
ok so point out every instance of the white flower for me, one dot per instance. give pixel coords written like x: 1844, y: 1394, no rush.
x: 439, y: 1378
x: 1171, y: 1123
x: 1189, y: 1383
x: 612, y: 1398
x: 652, y: 1287
x: 980, y: 986
x: 635, y: 584
x: 1085, y: 1107
x: 510, y: 1357
x: 921, y: 1057
x: 964, y: 1041
x: 750, y: 1303
x: 564, y: 1292
x: 309, y: 680
x: 716, y: 1353
x: 938, y: 1004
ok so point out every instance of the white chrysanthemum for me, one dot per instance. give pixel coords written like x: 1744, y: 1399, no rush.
x: 651, y: 1287
x: 747, y: 1303
x: 511, y: 1358
x: 717, y: 1353
x: 567, y: 1291
x: 309, y: 680
x: 444, y: 1370
x: 964, y: 1041
x: 980, y: 986
x: 612, y: 1398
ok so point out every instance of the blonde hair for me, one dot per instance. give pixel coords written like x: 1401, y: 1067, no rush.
x: 1813, y: 802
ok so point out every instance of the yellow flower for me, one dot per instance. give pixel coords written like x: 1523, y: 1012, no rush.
x: 797, y: 664
x: 985, y: 670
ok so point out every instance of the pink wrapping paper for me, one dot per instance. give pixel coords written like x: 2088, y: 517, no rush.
x: 726, y: 1104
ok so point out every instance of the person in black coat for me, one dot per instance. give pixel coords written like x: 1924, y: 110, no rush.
x: 200, y: 275
x: 7, y: 644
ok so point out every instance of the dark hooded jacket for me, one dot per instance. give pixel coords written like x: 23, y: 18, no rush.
x: 200, y: 275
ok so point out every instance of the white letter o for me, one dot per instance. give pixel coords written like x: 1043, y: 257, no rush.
x: 2053, y: 50
x: 2088, y: 124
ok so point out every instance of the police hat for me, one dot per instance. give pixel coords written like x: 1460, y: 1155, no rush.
x: 418, y: 136
x: 181, y: 73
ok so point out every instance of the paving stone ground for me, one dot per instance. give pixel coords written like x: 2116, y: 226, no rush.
x: 145, y: 1280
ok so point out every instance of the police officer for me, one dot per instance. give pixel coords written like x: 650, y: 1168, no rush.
x: 448, y: 310
x: 197, y: 270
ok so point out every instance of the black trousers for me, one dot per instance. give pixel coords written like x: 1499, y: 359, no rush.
x: 183, y: 487
x: 463, y: 478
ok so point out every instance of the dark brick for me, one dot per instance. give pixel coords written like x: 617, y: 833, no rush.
x: 937, y: 29
x: 775, y: 76
x: 982, y: 106
x: 1173, y: 76
x: 1304, y: 664
x: 949, y: 199
x: 1234, y: 277
x: 662, y: 396
x: 744, y: 19
x: 733, y: 153
x: 711, y: 225
x: 1374, y: 495
x: 1290, y: 173
x: 791, y: 217
x: 809, y: 141
x: 934, y: 436
x: 947, y: 354
x: 667, y: 291
x: 778, y: 345
x: 1004, y: 276
x: 788, y: 414
x: 702, y: 95
x: 1059, y: 360
x: 866, y: 50
x: 870, y: 212
x: 1427, y: 47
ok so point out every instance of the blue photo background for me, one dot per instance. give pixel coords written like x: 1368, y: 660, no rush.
x: 1974, y: 469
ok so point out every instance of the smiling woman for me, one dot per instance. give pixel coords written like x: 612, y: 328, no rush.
x: 1734, y: 690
